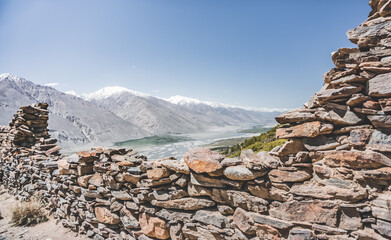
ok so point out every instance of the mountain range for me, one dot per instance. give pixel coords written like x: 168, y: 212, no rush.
x: 114, y: 114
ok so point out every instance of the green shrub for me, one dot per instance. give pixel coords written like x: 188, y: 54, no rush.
x: 264, y: 142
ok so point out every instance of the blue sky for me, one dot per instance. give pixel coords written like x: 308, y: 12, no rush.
x: 252, y: 53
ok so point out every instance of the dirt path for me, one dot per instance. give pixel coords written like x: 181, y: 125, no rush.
x: 44, y: 231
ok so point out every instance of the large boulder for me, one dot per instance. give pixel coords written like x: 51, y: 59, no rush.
x: 308, y: 129
x: 203, y: 160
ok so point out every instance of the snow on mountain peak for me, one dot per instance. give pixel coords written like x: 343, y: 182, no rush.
x: 181, y: 100
x: 109, y: 91
x: 11, y: 77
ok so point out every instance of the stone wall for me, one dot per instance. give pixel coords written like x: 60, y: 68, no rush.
x: 331, y: 180
x: 28, y: 155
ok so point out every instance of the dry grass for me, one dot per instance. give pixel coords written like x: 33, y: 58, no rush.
x: 29, y: 213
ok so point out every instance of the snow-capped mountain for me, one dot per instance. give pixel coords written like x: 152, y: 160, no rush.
x: 72, y: 120
x: 111, y: 91
x: 177, y: 114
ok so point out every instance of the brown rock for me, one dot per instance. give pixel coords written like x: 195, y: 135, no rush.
x: 184, y: 203
x: 320, y: 143
x: 357, y: 99
x: 203, y: 160
x: 328, y: 94
x: 153, y: 226
x: 376, y: 174
x: 83, y: 180
x: 64, y: 167
x: 225, y: 210
x: 360, y: 137
x: 211, y: 218
x: 328, y: 230
x: 350, y: 193
x: 367, y: 234
x: 351, y: 128
x: 121, y: 195
x: 260, y: 161
x: 196, y: 191
x: 356, y: 159
x: 96, y: 180
x: 206, y: 181
x: 158, y: 173
x: 105, y: 216
x: 289, y: 175
x: 308, y: 129
x: 322, y: 212
x: 267, y: 232
x: 87, y: 156
x: 292, y: 146
x: 173, y: 165
x: 350, y: 219
x: 128, y: 177
x: 297, y: 115
x: 380, y: 121
x: 349, y: 79
x: 84, y: 169
x: 244, y: 221
x: 301, y: 234
x: 241, y: 199
x: 338, y: 115
x: 227, y: 162
x: 371, y: 105
x: 273, y: 222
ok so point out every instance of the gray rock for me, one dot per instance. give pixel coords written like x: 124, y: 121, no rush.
x: 380, y: 121
x: 184, y: 203
x: 301, y: 234
x: 380, y: 141
x: 128, y: 220
x: 242, y: 173
x: 321, y: 143
x: 211, y: 217
x: 380, y: 86
x: 240, y: 199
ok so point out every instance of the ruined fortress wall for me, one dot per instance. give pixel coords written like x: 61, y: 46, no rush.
x: 331, y: 180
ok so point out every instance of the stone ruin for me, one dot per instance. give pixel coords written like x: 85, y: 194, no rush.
x: 27, y: 152
x: 331, y: 180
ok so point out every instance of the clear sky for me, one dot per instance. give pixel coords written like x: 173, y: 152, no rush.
x: 252, y: 53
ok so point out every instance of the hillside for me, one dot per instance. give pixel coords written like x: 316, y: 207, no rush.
x: 264, y: 142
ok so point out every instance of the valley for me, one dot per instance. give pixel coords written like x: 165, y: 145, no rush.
x: 161, y: 146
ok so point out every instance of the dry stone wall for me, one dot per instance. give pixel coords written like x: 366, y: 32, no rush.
x: 331, y: 180
x: 28, y: 155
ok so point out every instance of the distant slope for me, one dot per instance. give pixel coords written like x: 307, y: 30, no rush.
x: 152, y: 114
x: 174, y: 115
x: 264, y: 142
x: 72, y: 120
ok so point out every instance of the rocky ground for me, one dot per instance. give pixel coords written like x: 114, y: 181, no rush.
x: 47, y: 230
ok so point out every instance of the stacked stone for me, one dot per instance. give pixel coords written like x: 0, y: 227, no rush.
x: 343, y: 138
x: 28, y: 154
x: 115, y: 194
